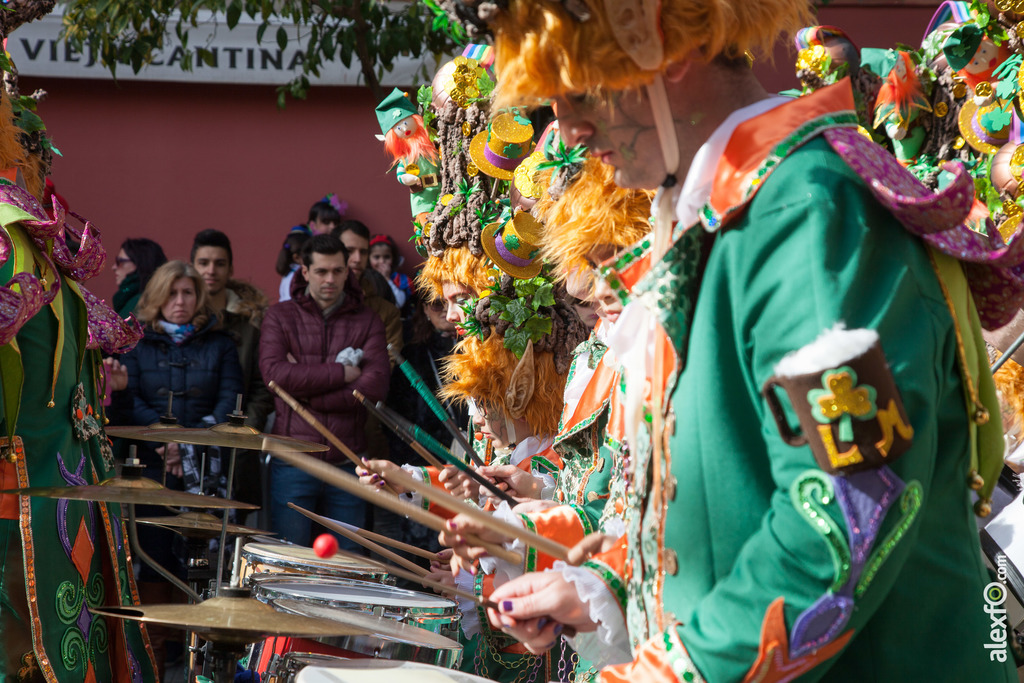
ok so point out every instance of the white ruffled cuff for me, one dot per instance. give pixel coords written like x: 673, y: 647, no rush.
x: 547, y: 490
x: 609, y: 644
x: 504, y: 570
x: 470, y: 621
x: 419, y: 475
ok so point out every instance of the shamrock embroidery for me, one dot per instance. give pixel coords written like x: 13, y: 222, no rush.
x: 841, y: 399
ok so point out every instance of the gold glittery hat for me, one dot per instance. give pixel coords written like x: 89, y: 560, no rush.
x: 985, y: 128
x: 514, y: 246
x: 498, y: 150
x: 526, y: 175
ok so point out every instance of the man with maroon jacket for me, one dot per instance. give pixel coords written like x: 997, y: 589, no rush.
x: 319, y: 346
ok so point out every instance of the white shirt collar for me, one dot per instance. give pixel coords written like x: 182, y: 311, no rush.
x: 696, y: 188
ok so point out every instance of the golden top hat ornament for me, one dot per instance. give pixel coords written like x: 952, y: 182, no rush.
x: 498, y: 150
x: 513, y: 246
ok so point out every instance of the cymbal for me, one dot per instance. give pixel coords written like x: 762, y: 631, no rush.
x: 231, y: 620
x: 199, y: 525
x: 224, y: 435
x: 141, y: 491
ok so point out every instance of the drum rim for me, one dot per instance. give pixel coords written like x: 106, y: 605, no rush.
x: 446, y: 605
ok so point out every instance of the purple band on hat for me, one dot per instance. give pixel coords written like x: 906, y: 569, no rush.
x: 499, y: 244
x: 986, y: 135
x: 504, y: 163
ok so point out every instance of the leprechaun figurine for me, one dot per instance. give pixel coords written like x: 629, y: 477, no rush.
x: 408, y: 142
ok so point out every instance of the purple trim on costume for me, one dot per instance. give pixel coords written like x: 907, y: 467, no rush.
x: 995, y: 271
x: 499, y: 244
x: 865, y: 498
x: 84, y: 620
x: 107, y: 331
x: 70, y: 479
x: 133, y: 664
x: 820, y: 624
x: 504, y: 163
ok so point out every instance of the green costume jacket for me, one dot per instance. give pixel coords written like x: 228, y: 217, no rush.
x: 744, y: 559
x: 58, y: 558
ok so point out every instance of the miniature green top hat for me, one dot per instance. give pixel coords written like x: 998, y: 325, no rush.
x: 961, y: 45
x: 393, y: 109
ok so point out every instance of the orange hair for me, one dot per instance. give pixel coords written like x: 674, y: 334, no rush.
x: 542, y: 52
x: 1009, y: 381
x: 457, y: 265
x: 13, y: 154
x: 482, y: 370
x: 593, y: 211
x: 412, y: 148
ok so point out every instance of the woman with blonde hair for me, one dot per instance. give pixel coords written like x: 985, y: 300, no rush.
x: 185, y: 356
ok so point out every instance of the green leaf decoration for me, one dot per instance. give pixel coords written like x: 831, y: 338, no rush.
x: 512, y: 242
x: 516, y: 340
x: 558, y: 156
x: 517, y: 312
x: 537, y: 327
x: 545, y: 295
x: 520, y: 118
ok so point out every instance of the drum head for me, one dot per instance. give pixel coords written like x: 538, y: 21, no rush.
x: 376, y: 670
x: 380, y: 627
x: 304, y: 559
x: 339, y: 591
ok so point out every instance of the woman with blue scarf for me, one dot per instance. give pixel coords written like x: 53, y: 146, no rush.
x: 185, y: 355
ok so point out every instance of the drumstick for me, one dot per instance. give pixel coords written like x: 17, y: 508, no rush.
x: 428, y: 397
x: 397, y: 545
x: 318, y: 426
x: 406, y: 434
x: 346, y: 482
x: 356, y: 538
x: 390, y: 424
x: 429, y: 583
x: 450, y: 502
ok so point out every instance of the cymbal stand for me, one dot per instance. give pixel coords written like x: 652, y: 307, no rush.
x: 199, y: 576
x: 235, y: 418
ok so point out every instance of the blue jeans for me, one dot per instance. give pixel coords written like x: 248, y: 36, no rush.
x: 291, y: 485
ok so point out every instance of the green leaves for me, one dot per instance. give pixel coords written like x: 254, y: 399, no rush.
x: 368, y: 34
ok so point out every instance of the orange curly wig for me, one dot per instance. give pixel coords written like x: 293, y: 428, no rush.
x: 542, y: 52
x: 593, y: 211
x: 456, y: 265
x: 482, y: 370
x: 12, y: 153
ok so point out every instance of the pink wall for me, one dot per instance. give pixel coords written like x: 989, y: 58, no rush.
x: 165, y: 160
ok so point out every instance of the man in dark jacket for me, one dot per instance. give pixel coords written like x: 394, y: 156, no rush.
x: 239, y: 306
x: 319, y: 346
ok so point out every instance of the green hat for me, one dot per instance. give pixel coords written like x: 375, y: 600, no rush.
x: 394, y: 108
x: 961, y: 45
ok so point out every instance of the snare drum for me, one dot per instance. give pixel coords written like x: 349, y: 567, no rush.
x: 375, y: 670
x: 261, y: 558
x: 383, y: 638
x: 425, y: 610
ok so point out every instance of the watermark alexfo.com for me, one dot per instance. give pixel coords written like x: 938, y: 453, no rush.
x: 995, y: 596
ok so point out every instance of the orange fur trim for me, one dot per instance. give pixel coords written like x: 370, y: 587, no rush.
x: 482, y: 370
x: 1009, y: 381
x: 12, y: 153
x: 594, y: 211
x: 457, y: 265
x: 542, y: 52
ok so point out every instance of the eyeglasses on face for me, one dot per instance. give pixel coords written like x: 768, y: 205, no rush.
x: 121, y: 261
